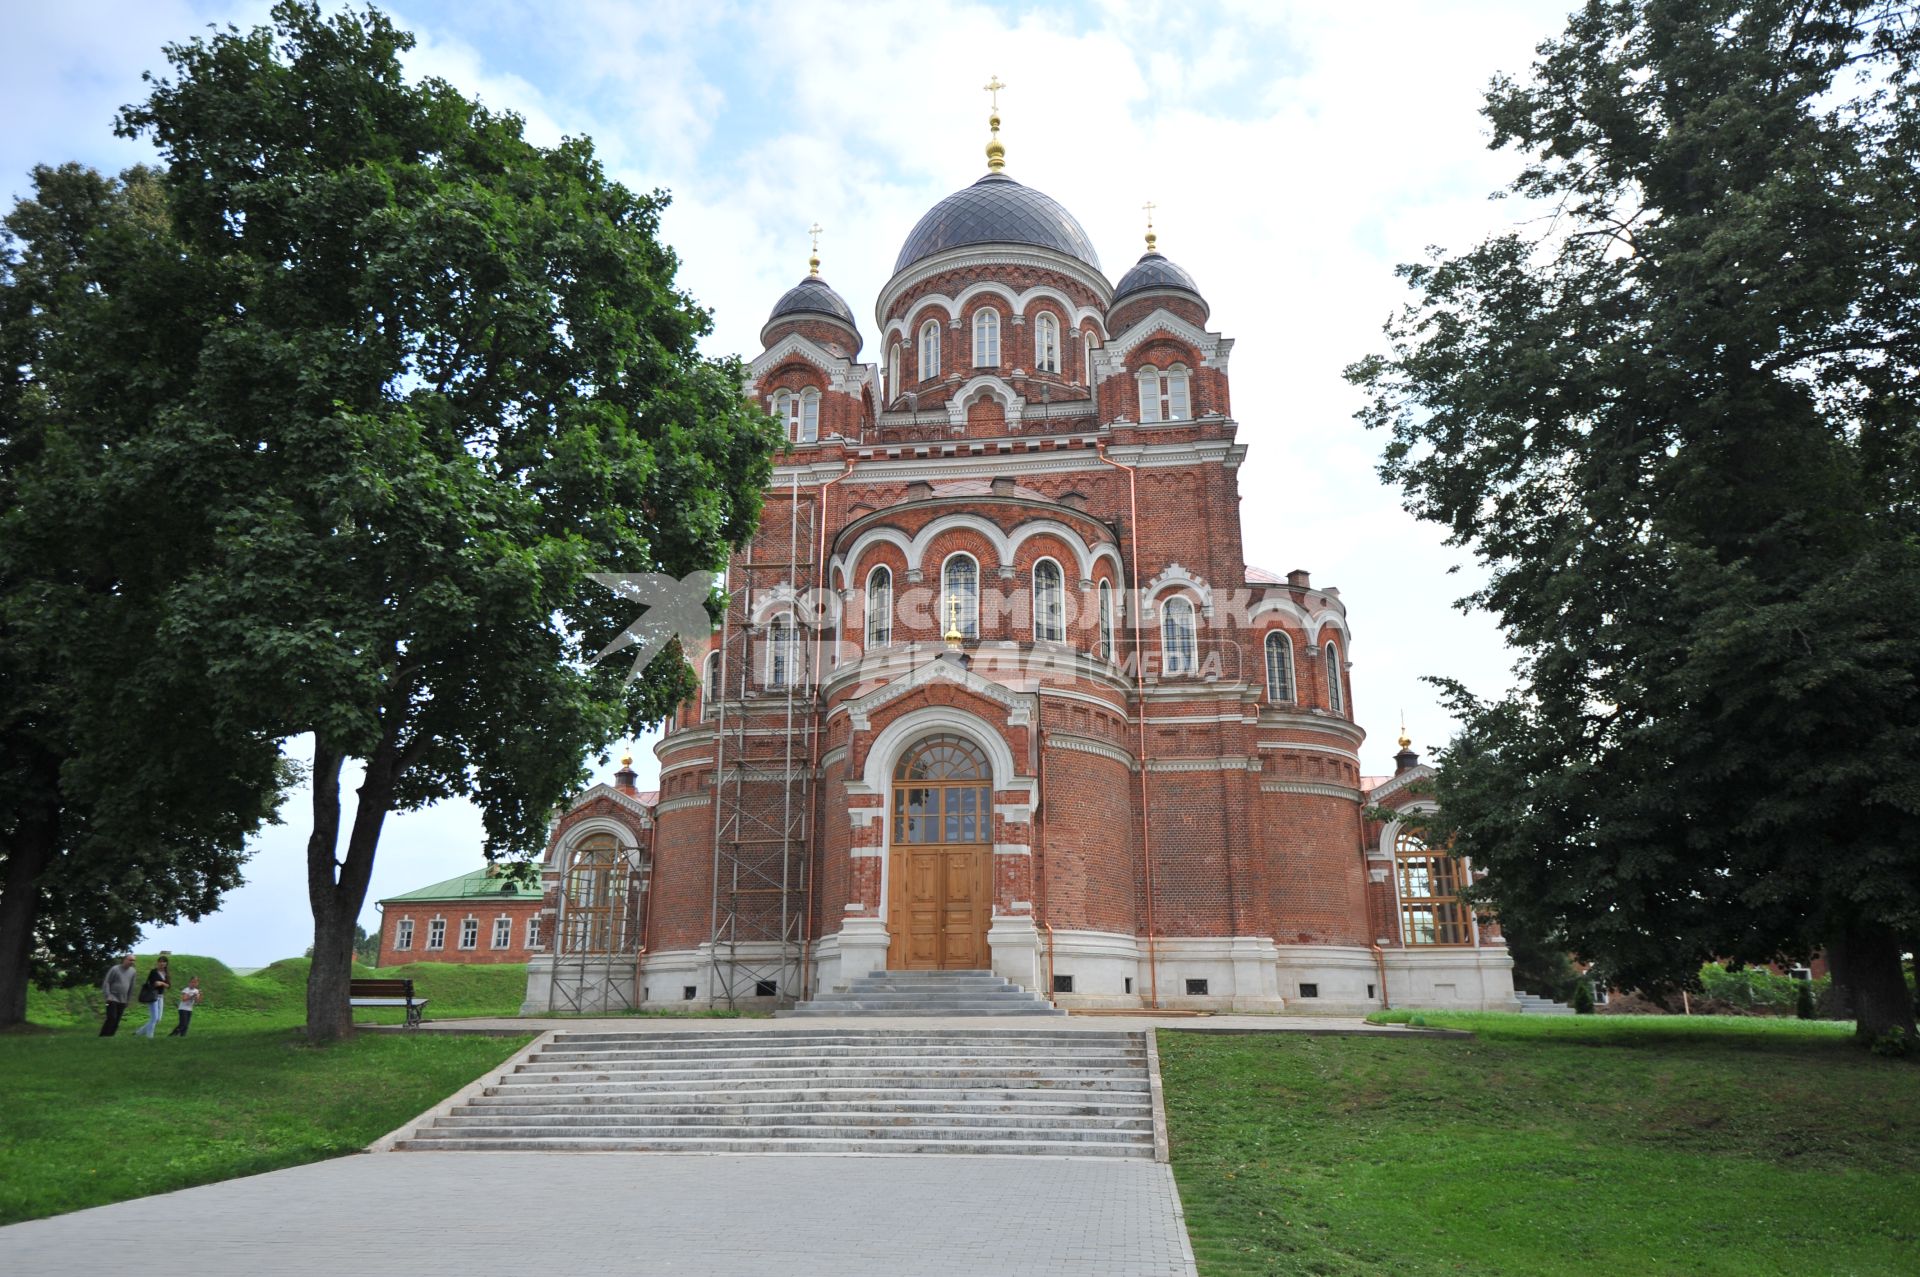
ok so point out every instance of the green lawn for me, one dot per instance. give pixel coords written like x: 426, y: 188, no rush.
x: 1546, y: 1145
x: 89, y: 1120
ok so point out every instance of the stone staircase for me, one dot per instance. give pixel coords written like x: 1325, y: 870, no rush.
x: 1531, y: 1005
x: 1076, y: 1094
x: 924, y: 993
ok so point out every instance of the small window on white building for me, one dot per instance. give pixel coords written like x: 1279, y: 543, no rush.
x: 1178, y: 643
x: 930, y: 350
x: 403, y: 934
x: 502, y: 932
x: 1336, y: 695
x: 437, y: 934
x: 533, y: 932
x: 986, y: 338
x: 1046, y: 344
x: 1049, y: 605
x: 1163, y: 395
x: 879, y: 607
x: 960, y: 595
x: 470, y: 933
x: 1106, y: 620
x: 1279, y: 667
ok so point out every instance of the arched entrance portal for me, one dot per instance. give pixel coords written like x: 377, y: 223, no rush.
x: 940, y: 892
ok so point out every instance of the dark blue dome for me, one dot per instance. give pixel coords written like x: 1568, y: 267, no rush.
x: 812, y: 296
x: 1154, y: 271
x: 997, y: 210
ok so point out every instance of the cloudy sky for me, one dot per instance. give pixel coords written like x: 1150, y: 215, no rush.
x: 1295, y: 151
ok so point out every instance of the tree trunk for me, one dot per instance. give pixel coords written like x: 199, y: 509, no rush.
x: 337, y: 888
x: 27, y: 858
x: 1866, y: 961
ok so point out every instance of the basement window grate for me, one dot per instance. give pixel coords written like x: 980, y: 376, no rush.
x: 1063, y: 984
x: 688, y: 992
x: 1196, y: 988
x: 1309, y: 990
x: 766, y: 988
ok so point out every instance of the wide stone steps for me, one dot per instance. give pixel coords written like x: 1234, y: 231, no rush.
x: 924, y: 994
x: 1531, y: 1004
x: 814, y: 1091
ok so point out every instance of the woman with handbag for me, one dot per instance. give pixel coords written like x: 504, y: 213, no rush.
x: 154, y: 994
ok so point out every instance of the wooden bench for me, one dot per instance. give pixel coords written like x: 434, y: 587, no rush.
x: 387, y: 993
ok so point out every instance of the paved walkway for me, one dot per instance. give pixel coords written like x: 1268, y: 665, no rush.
x: 479, y: 1214
x: 1017, y: 1023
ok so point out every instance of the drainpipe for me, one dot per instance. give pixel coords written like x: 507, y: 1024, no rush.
x: 1140, y: 699
x: 1040, y: 863
x: 819, y: 729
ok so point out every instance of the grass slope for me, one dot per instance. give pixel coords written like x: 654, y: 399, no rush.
x: 1547, y: 1145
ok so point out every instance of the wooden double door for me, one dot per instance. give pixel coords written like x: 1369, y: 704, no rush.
x: 940, y: 877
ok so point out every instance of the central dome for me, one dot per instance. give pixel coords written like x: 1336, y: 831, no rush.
x: 997, y: 210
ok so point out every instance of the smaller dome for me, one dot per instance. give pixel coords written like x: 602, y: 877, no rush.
x: 812, y: 296
x: 1154, y: 271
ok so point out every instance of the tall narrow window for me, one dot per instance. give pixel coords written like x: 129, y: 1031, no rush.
x: 1430, y: 908
x: 403, y: 934
x: 502, y: 932
x: 1046, y: 344
x: 986, y: 338
x: 1336, y: 695
x: 893, y: 371
x: 1087, y: 367
x: 469, y: 933
x: 786, y: 406
x: 879, y: 607
x: 437, y: 934
x: 533, y: 932
x: 1149, y: 379
x: 960, y: 595
x: 783, y: 652
x: 1177, y: 641
x: 711, y: 693
x: 1049, y: 603
x: 1176, y: 387
x: 930, y: 350
x: 1106, y: 620
x: 1163, y: 395
x: 1279, y: 667
x: 809, y: 424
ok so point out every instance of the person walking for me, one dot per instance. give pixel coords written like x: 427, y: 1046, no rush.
x: 118, y: 988
x: 183, y: 1013
x: 154, y: 994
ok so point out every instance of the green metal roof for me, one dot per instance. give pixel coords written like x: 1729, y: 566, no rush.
x: 470, y: 886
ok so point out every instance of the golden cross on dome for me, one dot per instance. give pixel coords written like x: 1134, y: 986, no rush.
x: 813, y: 262
x: 994, y: 86
x: 996, y: 153
x: 1149, y: 206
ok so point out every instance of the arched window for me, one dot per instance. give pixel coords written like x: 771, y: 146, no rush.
x: 783, y: 652
x: 930, y: 350
x: 1336, y: 695
x: 596, y: 907
x: 786, y: 407
x: 809, y: 431
x: 943, y: 793
x: 1106, y: 620
x: 1279, y: 667
x: 1087, y: 367
x: 710, y: 684
x: 1163, y: 395
x: 893, y: 371
x: 1046, y: 344
x: 879, y: 607
x: 986, y: 338
x: 1178, y: 653
x: 1049, y: 603
x: 960, y: 595
x: 1430, y: 908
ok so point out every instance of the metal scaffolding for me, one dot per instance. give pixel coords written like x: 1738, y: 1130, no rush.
x: 764, y: 724
x: 603, y: 890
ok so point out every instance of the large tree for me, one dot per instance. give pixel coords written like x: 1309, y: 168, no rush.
x: 452, y: 379
x: 1677, y: 424
x: 125, y: 799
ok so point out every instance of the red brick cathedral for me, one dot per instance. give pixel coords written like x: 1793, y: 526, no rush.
x: 998, y: 689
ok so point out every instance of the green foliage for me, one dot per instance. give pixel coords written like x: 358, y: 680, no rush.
x: 92, y: 1120
x: 1582, y: 998
x: 1680, y: 433
x: 1893, y: 1044
x: 1303, y: 1154
x: 1803, y: 1001
x: 1755, y: 989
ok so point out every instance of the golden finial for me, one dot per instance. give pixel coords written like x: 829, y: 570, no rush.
x: 954, y: 636
x: 1406, y: 741
x: 1151, y: 237
x: 626, y: 757
x: 813, y: 263
x: 996, y: 153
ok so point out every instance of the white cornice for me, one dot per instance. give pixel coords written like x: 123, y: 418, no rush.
x: 1020, y: 707
x: 990, y: 255
x: 843, y: 374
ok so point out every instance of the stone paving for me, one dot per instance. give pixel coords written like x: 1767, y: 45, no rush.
x: 479, y: 1214
x: 1070, y: 1023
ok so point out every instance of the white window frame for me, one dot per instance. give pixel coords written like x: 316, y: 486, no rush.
x: 969, y: 602
x: 1088, y: 369
x: 502, y: 932
x: 1279, y: 641
x: 1106, y: 619
x: 1165, y: 395
x: 929, y: 364
x: 1336, y: 694
x: 436, y: 934
x: 1177, y: 623
x: 1046, y: 343
x: 469, y: 932
x: 783, y: 631
x: 533, y: 932
x: 1049, y: 603
x: 710, y: 682
x: 986, y: 338
x: 879, y: 603
x: 403, y: 934
x: 893, y: 371
x: 809, y: 425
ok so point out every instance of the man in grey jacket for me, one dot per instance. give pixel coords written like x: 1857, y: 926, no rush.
x: 118, y: 988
